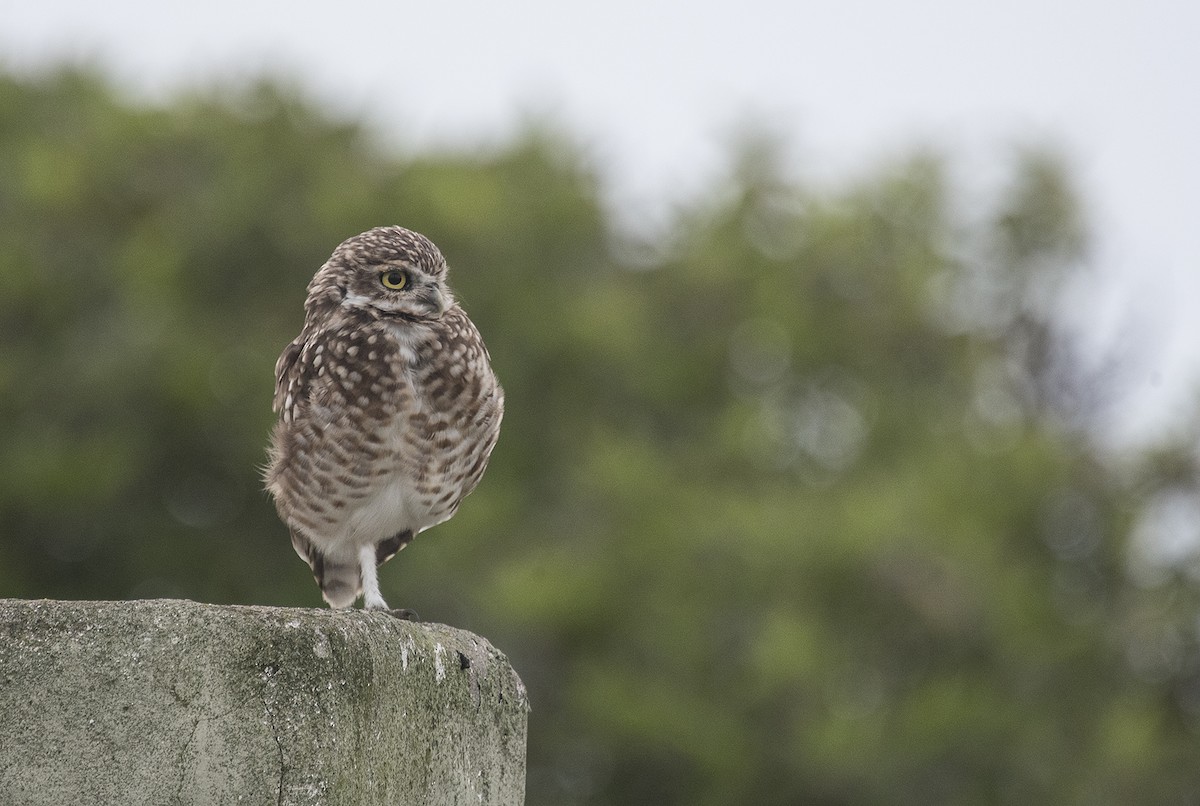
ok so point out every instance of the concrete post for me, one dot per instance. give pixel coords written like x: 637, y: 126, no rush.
x: 170, y: 702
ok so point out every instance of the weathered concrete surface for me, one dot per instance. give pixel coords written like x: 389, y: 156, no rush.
x: 173, y: 702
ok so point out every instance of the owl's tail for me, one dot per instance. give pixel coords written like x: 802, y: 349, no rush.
x: 338, y: 577
x: 340, y: 583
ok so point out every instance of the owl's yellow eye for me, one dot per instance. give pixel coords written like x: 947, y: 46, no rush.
x: 394, y: 279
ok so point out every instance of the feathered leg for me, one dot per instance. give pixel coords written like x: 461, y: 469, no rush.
x: 372, y: 600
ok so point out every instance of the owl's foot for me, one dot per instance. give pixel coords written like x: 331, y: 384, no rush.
x: 380, y: 606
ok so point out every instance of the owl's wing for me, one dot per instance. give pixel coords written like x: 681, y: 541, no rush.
x: 286, y: 376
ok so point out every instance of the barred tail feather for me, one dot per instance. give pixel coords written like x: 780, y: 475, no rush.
x: 340, y: 583
x: 338, y: 577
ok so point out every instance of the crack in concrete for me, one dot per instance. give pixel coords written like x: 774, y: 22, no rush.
x: 279, y: 746
x: 268, y: 673
x: 476, y: 663
x: 183, y: 754
x: 198, y: 720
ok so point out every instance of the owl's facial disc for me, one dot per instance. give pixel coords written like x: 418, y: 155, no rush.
x: 389, y: 291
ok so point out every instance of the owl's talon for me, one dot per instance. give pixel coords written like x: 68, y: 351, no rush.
x: 403, y: 613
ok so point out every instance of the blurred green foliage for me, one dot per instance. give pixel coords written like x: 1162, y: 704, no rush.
x: 797, y: 502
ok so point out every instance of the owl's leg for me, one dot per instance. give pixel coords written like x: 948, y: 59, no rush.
x: 372, y: 600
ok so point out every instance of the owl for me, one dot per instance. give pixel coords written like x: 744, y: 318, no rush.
x: 388, y: 411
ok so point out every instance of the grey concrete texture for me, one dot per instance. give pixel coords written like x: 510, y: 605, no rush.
x: 166, y: 702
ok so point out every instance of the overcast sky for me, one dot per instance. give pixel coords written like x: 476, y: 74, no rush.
x: 652, y: 87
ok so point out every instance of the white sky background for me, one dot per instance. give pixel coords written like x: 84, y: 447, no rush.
x: 653, y: 86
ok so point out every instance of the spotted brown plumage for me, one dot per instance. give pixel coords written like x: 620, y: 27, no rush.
x: 388, y: 411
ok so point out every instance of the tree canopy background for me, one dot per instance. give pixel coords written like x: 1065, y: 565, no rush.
x: 801, y: 501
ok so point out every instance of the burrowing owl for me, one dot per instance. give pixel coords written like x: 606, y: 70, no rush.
x: 388, y: 411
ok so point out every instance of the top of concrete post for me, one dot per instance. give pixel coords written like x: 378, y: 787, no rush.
x: 175, y: 702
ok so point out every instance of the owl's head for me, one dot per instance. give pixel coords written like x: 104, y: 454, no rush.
x: 386, y: 272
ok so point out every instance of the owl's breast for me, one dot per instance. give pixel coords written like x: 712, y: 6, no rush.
x: 440, y: 445
x: 398, y: 423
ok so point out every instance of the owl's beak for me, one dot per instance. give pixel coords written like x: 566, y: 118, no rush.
x: 436, y: 300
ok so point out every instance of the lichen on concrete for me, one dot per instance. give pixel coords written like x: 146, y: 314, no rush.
x: 174, y: 702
